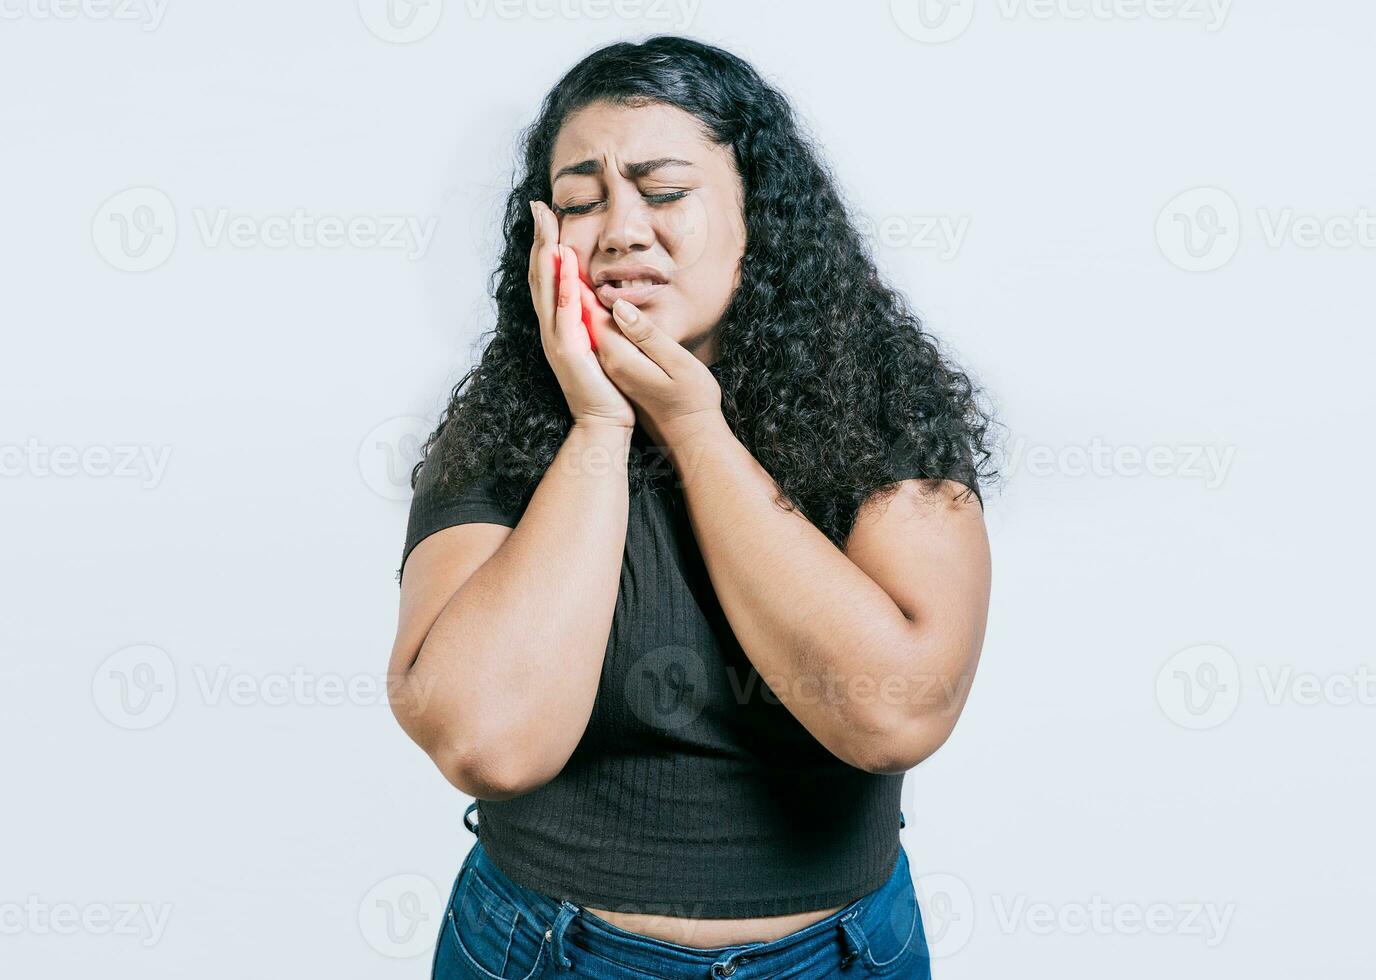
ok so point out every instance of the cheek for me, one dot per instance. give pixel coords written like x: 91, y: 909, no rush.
x: 706, y: 287
x: 706, y: 251
x: 583, y: 243
x: 687, y: 233
x: 695, y: 303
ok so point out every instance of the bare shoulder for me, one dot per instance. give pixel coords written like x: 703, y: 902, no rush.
x: 930, y: 500
x: 436, y: 568
x: 925, y: 543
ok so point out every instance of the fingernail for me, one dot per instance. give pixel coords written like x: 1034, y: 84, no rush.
x: 534, y: 214
x: 625, y: 312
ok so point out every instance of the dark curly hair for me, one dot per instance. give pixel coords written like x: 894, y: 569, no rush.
x: 826, y: 386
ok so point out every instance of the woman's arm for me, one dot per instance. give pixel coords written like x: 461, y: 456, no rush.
x: 872, y: 648
x: 502, y: 633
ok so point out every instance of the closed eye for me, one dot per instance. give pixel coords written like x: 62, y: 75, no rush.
x: 652, y: 198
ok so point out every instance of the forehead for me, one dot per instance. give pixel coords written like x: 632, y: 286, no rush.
x: 630, y: 134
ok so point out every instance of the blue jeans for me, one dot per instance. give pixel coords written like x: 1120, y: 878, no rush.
x: 495, y: 928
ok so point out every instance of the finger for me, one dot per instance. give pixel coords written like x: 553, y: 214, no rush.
x: 543, y: 267
x: 568, y: 317
x: 621, y: 359
x: 595, y: 316
x: 640, y: 330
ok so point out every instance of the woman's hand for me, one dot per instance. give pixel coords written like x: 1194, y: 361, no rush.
x: 674, y: 393
x: 570, y: 318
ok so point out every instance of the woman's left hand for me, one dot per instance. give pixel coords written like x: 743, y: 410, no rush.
x: 673, y: 392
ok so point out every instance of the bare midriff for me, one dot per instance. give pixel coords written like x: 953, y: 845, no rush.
x: 708, y: 933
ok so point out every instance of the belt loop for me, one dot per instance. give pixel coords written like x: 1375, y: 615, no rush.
x: 852, y: 936
x: 555, y: 934
x: 471, y: 826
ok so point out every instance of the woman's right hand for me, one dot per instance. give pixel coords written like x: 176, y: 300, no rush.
x: 560, y: 299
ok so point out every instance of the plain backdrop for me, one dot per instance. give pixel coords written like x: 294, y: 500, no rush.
x: 245, y: 253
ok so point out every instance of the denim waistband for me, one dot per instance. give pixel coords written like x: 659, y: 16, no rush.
x: 845, y: 932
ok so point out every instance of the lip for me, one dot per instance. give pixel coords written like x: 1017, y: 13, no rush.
x: 635, y: 295
x: 620, y: 273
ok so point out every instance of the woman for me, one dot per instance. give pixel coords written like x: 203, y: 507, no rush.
x: 696, y: 565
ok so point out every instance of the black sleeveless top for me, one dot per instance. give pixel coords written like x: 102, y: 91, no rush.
x: 693, y: 791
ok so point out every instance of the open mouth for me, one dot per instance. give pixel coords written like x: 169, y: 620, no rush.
x: 634, y: 291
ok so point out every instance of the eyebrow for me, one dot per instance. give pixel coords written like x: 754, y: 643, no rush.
x: 634, y: 171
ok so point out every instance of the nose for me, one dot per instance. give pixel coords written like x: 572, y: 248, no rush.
x: 627, y: 226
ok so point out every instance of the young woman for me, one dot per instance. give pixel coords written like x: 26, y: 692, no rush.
x: 696, y: 565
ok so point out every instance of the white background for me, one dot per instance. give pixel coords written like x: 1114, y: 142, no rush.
x: 1165, y: 766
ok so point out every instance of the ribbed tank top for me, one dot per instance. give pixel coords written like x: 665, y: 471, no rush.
x: 693, y: 792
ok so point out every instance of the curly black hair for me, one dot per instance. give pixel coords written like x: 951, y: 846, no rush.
x: 826, y: 387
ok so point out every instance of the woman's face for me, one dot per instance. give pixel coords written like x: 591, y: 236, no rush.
x: 642, y: 195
